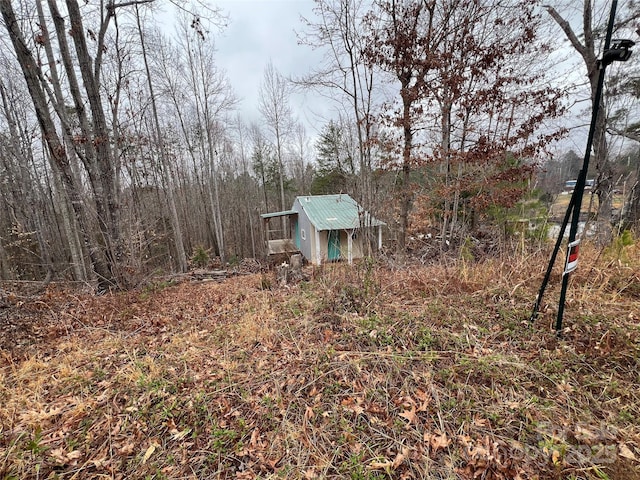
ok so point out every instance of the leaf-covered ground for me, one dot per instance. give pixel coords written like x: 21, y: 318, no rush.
x: 363, y: 373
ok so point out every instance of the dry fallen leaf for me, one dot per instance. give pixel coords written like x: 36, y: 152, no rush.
x: 584, y: 435
x: 180, y: 435
x: 410, y: 415
x: 126, y: 449
x: 424, y: 405
x: 353, y: 405
x: 308, y: 413
x: 400, y: 457
x: 626, y: 452
x: 376, y: 465
x: 564, y: 387
x: 74, y: 455
x: 438, y: 441
x: 149, y: 452
x: 62, y: 457
x: 480, y: 422
x: 100, y: 462
x: 58, y: 455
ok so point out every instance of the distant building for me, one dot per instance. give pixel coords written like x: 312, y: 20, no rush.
x: 322, y: 228
x: 571, y: 184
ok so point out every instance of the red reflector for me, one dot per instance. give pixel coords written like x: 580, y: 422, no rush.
x: 573, y: 253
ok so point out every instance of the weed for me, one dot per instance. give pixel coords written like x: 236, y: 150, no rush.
x: 99, y: 374
x: 157, y: 475
x: 620, y: 246
x: 72, y: 443
x: 626, y: 416
x: 466, y: 250
x: 355, y: 468
x: 376, y: 330
x: 222, y: 438
x: 145, y: 383
x: 34, y: 445
x: 234, y: 261
x: 369, y: 283
x: 600, y: 474
x: 265, y: 282
x: 351, y: 298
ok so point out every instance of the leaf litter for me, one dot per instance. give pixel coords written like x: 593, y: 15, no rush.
x: 416, y: 372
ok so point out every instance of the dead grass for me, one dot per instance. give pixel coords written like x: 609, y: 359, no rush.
x: 590, y: 203
x: 361, y: 373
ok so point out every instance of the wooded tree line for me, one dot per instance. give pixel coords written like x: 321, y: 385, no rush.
x: 122, y: 153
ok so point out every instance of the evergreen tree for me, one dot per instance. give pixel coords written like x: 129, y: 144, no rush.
x: 336, y: 170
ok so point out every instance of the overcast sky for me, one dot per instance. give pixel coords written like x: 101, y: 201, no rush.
x: 260, y: 31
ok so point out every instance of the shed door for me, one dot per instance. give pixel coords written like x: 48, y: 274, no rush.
x: 333, y: 250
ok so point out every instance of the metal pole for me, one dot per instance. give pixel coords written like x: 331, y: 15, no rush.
x: 552, y: 260
x: 582, y: 177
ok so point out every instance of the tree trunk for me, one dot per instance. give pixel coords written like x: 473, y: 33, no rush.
x: 175, y: 221
x: 5, y: 270
x: 445, y: 125
x: 214, y: 198
x: 70, y: 227
x: 405, y: 195
x: 632, y: 211
x: 104, y: 189
x: 604, y: 184
x: 57, y: 150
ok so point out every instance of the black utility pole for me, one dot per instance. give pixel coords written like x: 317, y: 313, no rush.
x: 619, y: 51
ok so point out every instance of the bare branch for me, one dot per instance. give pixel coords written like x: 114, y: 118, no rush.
x: 568, y: 31
x: 113, y: 6
x: 626, y: 133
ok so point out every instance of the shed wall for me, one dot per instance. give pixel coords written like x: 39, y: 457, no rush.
x: 306, y: 232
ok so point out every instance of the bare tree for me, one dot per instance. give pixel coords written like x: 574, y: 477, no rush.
x: 159, y: 141
x: 212, y: 98
x: 100, y: 154
x: 300, y: 162
x: 340, y: 32
x: 246, y: 182
x: 184, y: 110
x: 274, y: 107
x: 261, y: 152
x: 69, y: 225
x: 586, y: 44
x: 27, y: 254
x: 126, y: 116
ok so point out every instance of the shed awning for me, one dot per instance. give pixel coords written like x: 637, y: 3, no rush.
x: 284, y: 213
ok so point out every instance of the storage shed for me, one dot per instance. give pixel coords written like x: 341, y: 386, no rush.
x: 322, y: 228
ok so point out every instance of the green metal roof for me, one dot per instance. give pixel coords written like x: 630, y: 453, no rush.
x: 336, y: 212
